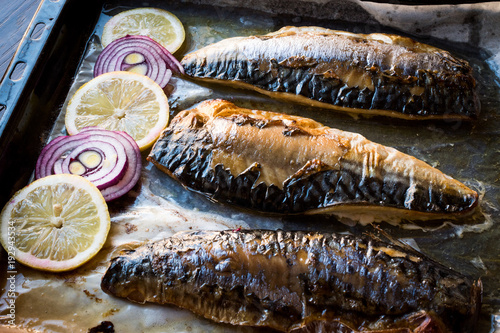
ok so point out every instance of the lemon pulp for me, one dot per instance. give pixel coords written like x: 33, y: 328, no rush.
x: 158, y: 24
x: 120, y: 101
x: 57, y: 223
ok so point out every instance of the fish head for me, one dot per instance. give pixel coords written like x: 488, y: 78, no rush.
x: 125, y: 276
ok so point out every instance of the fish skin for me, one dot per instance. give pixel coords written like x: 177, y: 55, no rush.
x: 297, y: 281
x: 276, y: 163
x: 373, y: 74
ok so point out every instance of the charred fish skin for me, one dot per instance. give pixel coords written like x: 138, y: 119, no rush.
x: 292, y: 280
x: 275, y: 163
x: 375, y: 74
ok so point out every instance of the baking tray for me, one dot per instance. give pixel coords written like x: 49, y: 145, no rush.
x: 56, y: 57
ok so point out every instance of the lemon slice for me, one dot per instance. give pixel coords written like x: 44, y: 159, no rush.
x: 157, y: 24
x: 56, y: 223
x: 120, y: 101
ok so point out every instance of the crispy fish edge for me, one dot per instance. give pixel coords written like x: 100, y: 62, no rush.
x: 456, y: 73
x: 190, y: 157
x: 151, y: 258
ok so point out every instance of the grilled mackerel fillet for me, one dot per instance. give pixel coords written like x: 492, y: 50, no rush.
x: 276, y: 163
x: 371, y: 74
x: 298, y: 282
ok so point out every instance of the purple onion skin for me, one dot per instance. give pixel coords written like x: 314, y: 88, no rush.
x: 53, y: 151
x: 133, y: 171
x: 120, y: 182
x: 104, y: 177
x: 132, y: 174
x: 38, y: 168
x: 159, y: 61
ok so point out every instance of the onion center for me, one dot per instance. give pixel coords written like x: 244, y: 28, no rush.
x: 90, y: 159
x: 134, y: 59
x: 85, y: 162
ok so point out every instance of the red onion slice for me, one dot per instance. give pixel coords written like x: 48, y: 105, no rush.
x: 40, y: 168
x: 132, y: 173
x: 57, y: 166
x: 113, y: 161
x: 157, y: 60
x: 114, y: 172
x: 56, y: 149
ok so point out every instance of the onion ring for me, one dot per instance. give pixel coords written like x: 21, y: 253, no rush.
x: 109, y: 159
x: 133, y: 172
x: 158, y: 62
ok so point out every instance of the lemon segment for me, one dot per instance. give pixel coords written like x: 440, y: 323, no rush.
x: 57, y: 223
x: 158, y: 24
x: 120, y: 101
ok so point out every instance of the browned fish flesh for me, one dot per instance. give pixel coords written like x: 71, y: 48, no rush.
x: 373, y: 74
x: 298, y: 282
x: 277, y: 163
